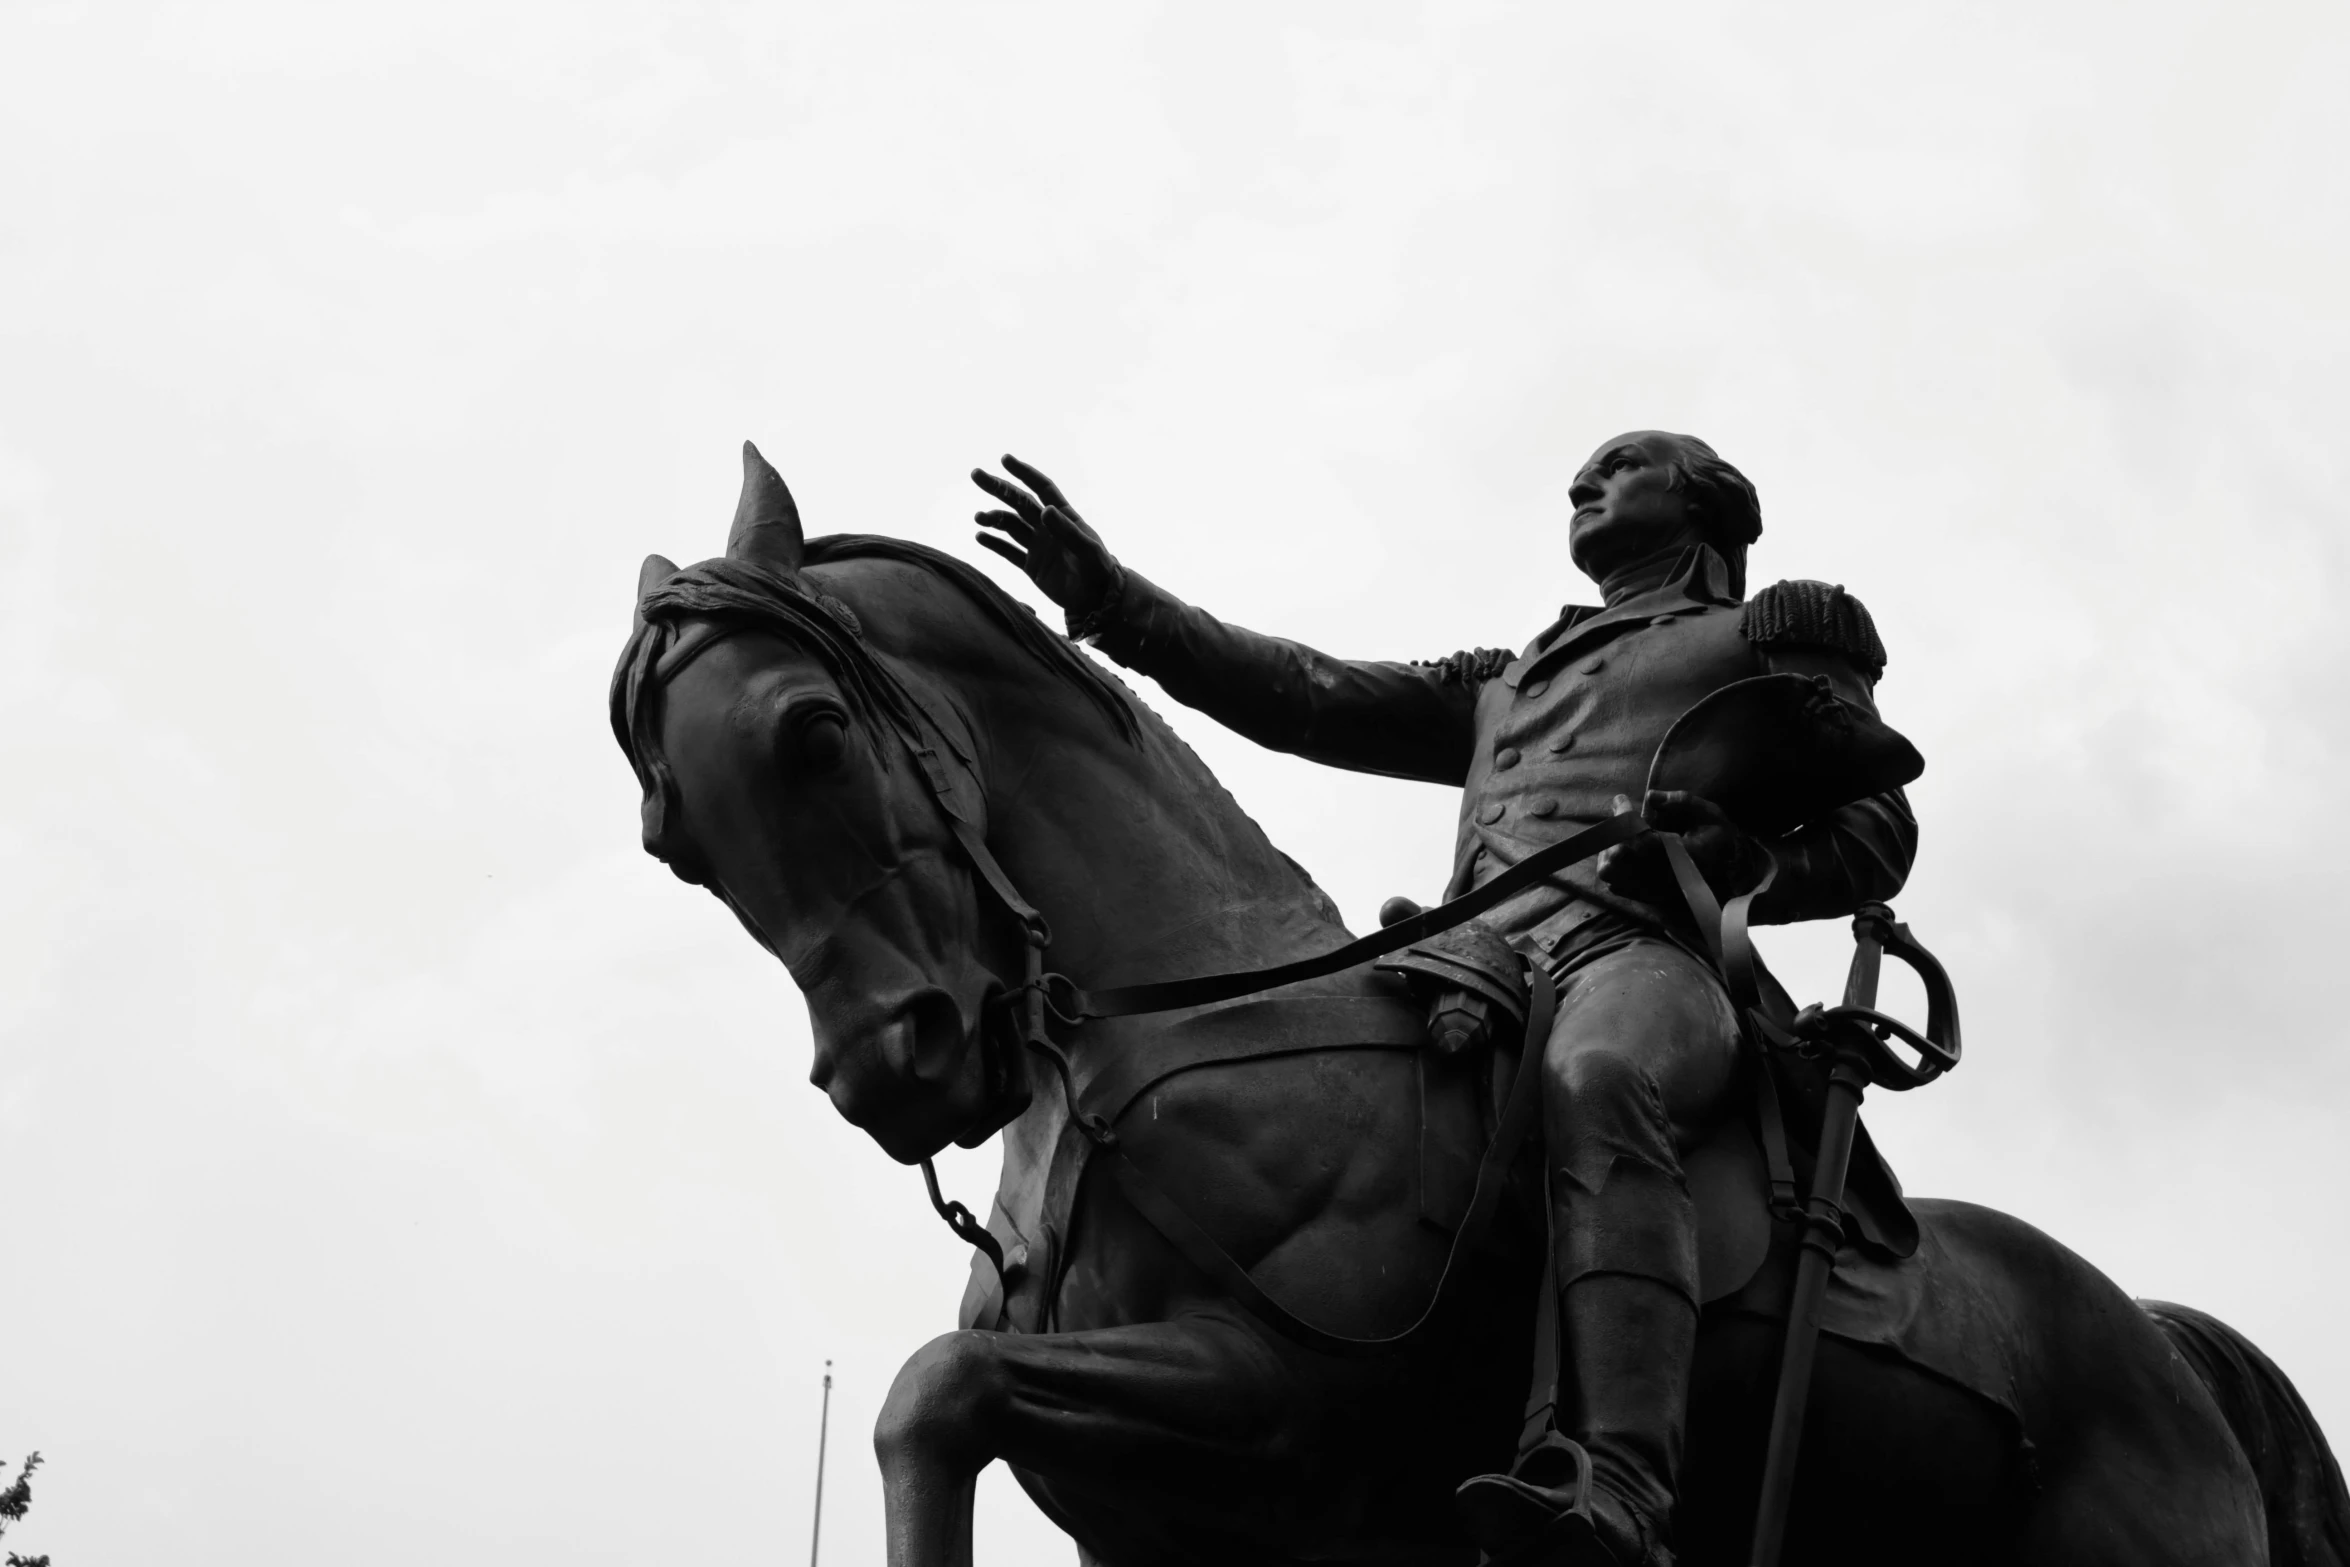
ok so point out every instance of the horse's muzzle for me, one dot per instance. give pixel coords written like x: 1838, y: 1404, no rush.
x: 918, y: 1079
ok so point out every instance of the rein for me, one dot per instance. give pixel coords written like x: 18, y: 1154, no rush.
x: 1072, y: 1005
x: 1042, y: 993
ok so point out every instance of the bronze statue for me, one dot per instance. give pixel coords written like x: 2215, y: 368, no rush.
x: 1645, y: 1054
x: 1264, y: 1277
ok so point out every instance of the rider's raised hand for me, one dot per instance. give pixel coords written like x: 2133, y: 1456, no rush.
x: 1043, y: 536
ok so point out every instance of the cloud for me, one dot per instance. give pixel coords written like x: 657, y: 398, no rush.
x: 394, y: 1148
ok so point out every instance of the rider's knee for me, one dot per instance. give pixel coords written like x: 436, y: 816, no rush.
x: 939, y: 1398
x: 1600, y: 1081
x: 1607, y: 1116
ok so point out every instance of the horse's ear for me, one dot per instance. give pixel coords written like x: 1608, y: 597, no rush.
x: 656, y: 570
x: 766, y: 523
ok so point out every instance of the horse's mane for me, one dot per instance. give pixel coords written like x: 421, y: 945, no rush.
x: 747, y: 594
x: 1031, y: 635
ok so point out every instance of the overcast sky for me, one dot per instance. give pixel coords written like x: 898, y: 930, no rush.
x: 395, y: 1164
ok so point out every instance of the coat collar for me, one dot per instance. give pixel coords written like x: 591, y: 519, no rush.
x: 1700, y: 579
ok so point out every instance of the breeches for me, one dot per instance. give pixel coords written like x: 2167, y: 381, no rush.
x: 1640, y: 1065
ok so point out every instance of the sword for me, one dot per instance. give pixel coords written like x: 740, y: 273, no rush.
x: 1855, y: 1038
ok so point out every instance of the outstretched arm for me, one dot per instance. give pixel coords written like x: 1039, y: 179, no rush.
x: 1404, y: 720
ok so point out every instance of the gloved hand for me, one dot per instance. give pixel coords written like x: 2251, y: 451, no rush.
x: 1730, y: 860
x: 1043, y: 536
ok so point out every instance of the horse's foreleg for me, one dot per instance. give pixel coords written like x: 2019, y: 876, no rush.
x: 1197, y: 1407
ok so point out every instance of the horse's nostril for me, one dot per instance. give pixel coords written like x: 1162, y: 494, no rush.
x: 939, y: 1037
x: 903, y: 1071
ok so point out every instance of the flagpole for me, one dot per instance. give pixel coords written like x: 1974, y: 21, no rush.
x: 823, y: 1424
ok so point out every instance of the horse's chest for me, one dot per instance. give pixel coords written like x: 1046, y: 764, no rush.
x: 1263, y: 1119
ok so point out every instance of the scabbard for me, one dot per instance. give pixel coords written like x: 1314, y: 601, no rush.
x: 1823, y: 1233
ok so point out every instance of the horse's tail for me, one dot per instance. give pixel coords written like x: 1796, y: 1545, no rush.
x: 2300, y: 1483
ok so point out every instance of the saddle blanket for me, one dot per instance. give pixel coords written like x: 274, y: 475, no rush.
x: 1936, y: 1309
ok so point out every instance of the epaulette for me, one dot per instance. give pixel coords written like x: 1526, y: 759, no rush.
x: 1814, y: 614
x: 1468, y: 668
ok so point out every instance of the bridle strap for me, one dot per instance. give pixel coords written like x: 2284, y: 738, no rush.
x: 690, y: 643
x: 1033, y: 927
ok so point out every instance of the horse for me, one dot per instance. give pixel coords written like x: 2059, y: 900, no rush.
x: 904, y: 785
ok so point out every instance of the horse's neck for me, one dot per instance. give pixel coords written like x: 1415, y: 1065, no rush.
x: 1146, y: 867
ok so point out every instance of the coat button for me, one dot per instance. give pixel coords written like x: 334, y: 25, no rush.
x: 1563, y: 743
x: 1533, y: 688
x: 1543, y: 808
x: 1507, y: 756
x: 1491, y: 813
x: 1593, y: 666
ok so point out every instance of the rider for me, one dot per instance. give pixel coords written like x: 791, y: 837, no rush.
x: 1643, y: 1056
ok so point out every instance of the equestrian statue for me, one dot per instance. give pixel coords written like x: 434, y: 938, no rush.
x: 1536, y: 1229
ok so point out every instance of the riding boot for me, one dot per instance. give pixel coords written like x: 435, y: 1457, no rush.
x: 1629, y: 1344
x: 1625, y: 1254
x: 1624, y: 1387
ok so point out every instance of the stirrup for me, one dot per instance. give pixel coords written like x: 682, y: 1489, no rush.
x: 1534, y: 1516
x: 1518, y: 1521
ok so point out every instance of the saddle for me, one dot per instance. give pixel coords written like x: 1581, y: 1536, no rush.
x: 1743, y: 1179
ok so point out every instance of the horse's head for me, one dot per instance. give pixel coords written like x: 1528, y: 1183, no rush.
x: 799, y: 762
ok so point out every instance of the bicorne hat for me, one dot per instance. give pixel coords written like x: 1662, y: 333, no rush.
x: 1776, y: 751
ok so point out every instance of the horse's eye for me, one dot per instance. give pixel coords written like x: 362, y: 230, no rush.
x: 823, y: 742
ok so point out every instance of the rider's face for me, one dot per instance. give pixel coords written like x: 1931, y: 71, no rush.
x: 1625, y: 508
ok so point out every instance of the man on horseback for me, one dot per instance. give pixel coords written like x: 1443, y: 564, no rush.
x: 1643, y: 1058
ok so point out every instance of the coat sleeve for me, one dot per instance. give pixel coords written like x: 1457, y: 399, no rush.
x: 1856, y: 855
x: 1403, y: 720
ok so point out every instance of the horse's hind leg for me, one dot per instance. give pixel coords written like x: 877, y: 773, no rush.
x: 1199, y: 1408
